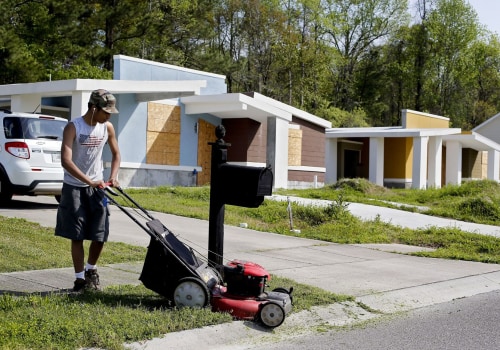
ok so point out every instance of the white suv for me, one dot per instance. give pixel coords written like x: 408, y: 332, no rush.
x: 30, y: 155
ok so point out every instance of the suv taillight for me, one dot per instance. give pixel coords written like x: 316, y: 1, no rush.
x: 18, y: 149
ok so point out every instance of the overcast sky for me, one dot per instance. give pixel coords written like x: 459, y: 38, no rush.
x: 488, y: 12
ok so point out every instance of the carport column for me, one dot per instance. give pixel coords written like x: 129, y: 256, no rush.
x: 277, y: 150
x: 453, y: 163
x: 79, y: 103
x: 435, y: 161
x: 26, y: 103
x: 331, y: 148
x: 493, y: 164
x: 376, y: 172
x: 419, y: 172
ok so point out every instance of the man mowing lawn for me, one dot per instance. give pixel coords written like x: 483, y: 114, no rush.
x: 82, y: 213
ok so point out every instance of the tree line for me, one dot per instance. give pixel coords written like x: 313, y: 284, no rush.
x: 353, y: 62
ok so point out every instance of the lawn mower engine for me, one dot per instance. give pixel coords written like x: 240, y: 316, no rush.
x: 245, y: 298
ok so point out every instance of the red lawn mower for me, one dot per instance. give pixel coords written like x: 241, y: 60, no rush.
x: 174, y: 270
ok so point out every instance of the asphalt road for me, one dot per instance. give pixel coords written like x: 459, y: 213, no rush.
x: 465, y: 324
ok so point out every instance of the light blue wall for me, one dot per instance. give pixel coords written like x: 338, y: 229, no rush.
x: 132, y: 121
x: 126, y: 69
x: 189, y: 138
x: 130, y: 127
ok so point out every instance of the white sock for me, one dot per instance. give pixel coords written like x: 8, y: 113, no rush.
x: 80, y: 275
x: 90, y: 267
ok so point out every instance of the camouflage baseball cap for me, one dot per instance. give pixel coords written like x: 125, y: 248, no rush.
x: 103, y: 99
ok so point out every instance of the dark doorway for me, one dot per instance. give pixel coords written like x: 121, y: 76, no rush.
x: 351, y: 163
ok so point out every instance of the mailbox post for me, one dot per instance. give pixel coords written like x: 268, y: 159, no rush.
x: 238, y: 185
x: 216, y: 212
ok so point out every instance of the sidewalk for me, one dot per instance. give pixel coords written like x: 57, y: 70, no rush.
x: 377, y: 275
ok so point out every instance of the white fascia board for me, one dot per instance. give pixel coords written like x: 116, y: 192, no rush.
x: 307, y: 168
x: 396, y: 131
x: 44, y: 87
x: 216, y: 103
x: 294, y: 111
x: 439, y: 132
x: 215, y: 108
x: 266, y: 107
x: 136, y: 86
x: 57, y: 87
x: 207, y: 99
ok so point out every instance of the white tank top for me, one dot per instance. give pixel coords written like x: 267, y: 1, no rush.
x: 87, y: 151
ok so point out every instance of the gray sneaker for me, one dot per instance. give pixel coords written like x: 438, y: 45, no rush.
x: 92, y: 279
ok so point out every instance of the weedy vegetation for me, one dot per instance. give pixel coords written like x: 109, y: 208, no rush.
x: 123, y: 314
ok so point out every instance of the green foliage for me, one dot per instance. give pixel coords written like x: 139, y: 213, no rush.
x: 452, y: 243
x: 473, y: 201
x: 343, y: 119
x: 315, y: 216
x: 480, y: 209
x: 353, y: 63
x: 348, y: 189
x: 78, y: 70
x: 362, y: 186
x: 311, y: 216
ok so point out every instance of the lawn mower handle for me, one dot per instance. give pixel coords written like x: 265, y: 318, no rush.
x: 108, y: 189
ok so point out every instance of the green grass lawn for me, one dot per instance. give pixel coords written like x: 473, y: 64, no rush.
x: 475, y: 201
x: 131, y: 313
x: 105, y: 319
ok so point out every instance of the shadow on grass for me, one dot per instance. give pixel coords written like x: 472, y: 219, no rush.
x: 25, y: 204
x: 123, y: 296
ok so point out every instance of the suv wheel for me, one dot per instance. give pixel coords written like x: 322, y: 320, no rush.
x: 5, y: 191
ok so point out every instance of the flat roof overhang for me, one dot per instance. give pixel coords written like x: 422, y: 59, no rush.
x: 144, y: 90
x: 233, y: 106
x: 294, y: 111
x: 395, y: 131
x: 474, y: 141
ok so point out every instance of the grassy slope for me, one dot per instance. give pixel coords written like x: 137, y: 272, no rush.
x: 132, y: 313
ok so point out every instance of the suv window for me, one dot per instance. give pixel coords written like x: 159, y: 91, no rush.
x: 33, y: 128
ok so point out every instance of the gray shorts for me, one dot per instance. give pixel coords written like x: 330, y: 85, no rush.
x: 82, y: 214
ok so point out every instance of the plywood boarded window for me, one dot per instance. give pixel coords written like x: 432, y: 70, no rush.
x: 163, y: 134
x: 294, y: 147
x: 206, y: 134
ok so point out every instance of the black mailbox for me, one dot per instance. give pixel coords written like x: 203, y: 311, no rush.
x: 245, y: 186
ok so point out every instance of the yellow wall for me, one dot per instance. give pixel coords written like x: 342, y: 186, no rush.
x: 415, y: 120
x: 398, y: 154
